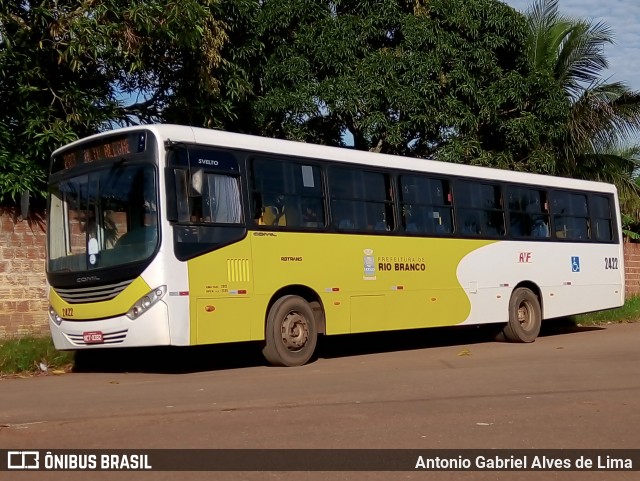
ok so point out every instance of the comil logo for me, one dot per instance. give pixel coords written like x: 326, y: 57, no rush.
x: 23, y: 460
x: 87, y: 279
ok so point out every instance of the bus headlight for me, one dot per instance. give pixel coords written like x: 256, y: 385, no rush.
x: 53, y: 315
x: 146, y: 301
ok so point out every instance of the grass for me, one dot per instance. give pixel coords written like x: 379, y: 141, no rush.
x: 24, y: 356
x: 629, y: 312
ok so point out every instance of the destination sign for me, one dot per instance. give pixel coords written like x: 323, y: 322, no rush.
x: 111, y: 147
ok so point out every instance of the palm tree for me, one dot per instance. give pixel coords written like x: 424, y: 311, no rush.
x: 603, y: 117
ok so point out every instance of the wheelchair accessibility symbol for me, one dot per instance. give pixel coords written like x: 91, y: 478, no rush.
x: 575, y: 264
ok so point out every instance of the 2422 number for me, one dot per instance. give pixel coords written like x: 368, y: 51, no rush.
x: 610, y: 262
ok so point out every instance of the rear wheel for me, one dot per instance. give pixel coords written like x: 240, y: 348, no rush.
x: 525, y: 316
x: 291, y: 334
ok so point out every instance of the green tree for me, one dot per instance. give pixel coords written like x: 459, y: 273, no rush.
x: 603, y: 116
x: 70, y: 68
x: 444, y: 78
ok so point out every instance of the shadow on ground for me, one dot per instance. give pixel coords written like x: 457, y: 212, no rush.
x: 169, y: 359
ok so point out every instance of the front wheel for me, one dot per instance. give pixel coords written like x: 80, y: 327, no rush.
x: 525, y: 316
x: 291, y: 335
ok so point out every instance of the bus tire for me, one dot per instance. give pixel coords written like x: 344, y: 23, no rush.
x: 525, y: 316
x: 291, y: 334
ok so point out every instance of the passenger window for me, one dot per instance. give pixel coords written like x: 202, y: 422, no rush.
x: 479, y: 209
x: 570, y: 215
x: 425, y: 204
x: 360, y: 200
x: 602, y: 218
x: 528, y: 212
x: 287, y: 194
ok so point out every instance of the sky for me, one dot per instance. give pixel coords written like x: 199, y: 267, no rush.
x: 623, y: 17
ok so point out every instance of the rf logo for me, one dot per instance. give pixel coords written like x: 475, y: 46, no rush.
x: 23, y: 460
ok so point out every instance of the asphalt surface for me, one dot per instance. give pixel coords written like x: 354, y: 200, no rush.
x: 432, y: 389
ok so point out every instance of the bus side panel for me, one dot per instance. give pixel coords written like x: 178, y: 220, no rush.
x: 589, y: 277
x: 374, y: 283
x: 221, y: 291
x: 572, y: 277
x: 316, y: 261
x: 368, y: 283
x: 433, y: 297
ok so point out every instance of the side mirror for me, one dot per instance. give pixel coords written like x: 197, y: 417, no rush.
x: 197, y: 178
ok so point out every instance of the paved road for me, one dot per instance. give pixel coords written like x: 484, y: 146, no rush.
x: 450, y: 388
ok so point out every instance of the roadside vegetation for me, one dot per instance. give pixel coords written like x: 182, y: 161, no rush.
x: 630, y: 312
x: 33, y: 355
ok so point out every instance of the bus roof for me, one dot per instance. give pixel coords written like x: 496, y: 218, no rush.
x: 266, y: 145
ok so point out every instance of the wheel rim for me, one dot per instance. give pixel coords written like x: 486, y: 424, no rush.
x: 294, y: 331
x: 525, y: 315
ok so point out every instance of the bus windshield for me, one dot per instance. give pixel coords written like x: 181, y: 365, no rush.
x: 103, y: 219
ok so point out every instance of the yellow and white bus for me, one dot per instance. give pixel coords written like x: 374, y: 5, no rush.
x: 173, y: 235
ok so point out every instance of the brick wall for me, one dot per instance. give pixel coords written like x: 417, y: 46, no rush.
x: 632, y: 268
x: 23, y: 303
x: 23, y: 288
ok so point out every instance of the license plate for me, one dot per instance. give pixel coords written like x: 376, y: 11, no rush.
x: 93, y: 337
